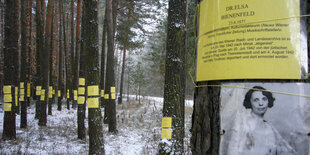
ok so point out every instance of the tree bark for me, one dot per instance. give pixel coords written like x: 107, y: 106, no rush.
x: 24, y: 64
x: 110, y: 79
x: 29, y: 50
x: 103, y: 62
x: 206, y: 120
x: 96, y: 143
x: 49, y: 50
x: 174, y: 91
x: 120, y: 99
x: 60, y: 70
x: 80, y: 72
x: 39, y: 49
x: 73, y: 88
x: 44, y: 64
x: 10, y: 66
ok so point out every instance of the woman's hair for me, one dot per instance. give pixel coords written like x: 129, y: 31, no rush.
x: 247, y: 99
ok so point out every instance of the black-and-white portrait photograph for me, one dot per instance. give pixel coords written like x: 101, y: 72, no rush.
x: 265, y: 119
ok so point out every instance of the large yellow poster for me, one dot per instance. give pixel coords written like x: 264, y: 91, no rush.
x: 249, y: 39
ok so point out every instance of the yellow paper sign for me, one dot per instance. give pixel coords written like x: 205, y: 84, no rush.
x: 50, y: 89
x: 106, y: 96
x: 16, y: 96
x: 59, y: 93
x: 238, y: 41
x: 93, y: 102
x: 75, y: 95
x: 81, y: 100
x: 38, y: 90
x: 50, y: 94
x: 93, y: 90
x: 7, y: 89
x: 22, y: 97
x: 113, y: 96
x: 166, y: 122
x: 112, y: 89
x: 21, y: 85
x: 7, y: 107
x: 42, y: 95
x: 28, y: 90
x: 166, y: 133
x: 82, y: 81
x: 68, y: 93
x: 22, y: 91
x: 54, y: 92
x: 81, y: 91
x: 102, y: 93
x: 7, y: 98
x: 38, y: 87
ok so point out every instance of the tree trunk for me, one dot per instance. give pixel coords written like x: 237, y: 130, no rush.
x: 110, y: 79
x: 103, y: 62
x: 49, y: 49
x: 73, y: 88
x: 39, y: 48
x: 2, y: 44
x: 29, y: 50
x: 24, y: 65
x: 96, y: 144
x: 206, y: 120
x: 10, y: 68
x: 45, y: 68
x: 66, y: 56
x: 120, y: 99
x: 55, y: 55
x: 80, y: 70
x: 174, y: 91
x: 60, y: 70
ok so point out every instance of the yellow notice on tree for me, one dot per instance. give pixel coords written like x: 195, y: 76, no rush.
x: 7, y: 98
x: 42, y: 95
x: 28, y: 90
x: 93, y: 102
x: 248, y: 39
x: 166, y: 122
x: 81, y: 90
x: 75, y: 95
x: 50, y: 92
x: 7, y: 107
x: 82, y: 81
x: 21, y: 85
x: 38, y: 90
x: 93, y: 90
x: 59, y: 93
x: 7, y: 89
x: 102, y: 93
x: 166, y: 133
x: 81, y: 100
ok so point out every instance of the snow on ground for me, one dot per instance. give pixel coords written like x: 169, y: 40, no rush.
x: 139, y: 127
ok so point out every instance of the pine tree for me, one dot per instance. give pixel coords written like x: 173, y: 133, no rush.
x: 174, y: 91
x: 96, y: 145
x: 10, y: 68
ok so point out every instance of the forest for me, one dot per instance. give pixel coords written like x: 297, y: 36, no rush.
x: 86, y: 62
x: 154, y: 77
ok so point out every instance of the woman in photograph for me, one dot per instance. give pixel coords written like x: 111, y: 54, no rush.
x: 254, y: 135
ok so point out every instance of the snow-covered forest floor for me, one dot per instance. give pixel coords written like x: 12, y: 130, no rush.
x: 139, y: 127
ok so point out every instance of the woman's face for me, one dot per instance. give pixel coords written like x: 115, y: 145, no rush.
x: 259, y: 103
